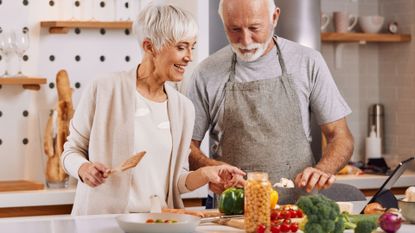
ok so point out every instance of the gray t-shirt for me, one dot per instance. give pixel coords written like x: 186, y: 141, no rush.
x: 313, y: 82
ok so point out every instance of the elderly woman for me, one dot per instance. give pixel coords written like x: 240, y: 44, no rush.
x: 137, y: 111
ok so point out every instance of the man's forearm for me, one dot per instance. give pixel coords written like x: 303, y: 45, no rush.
x: 337, y: 154
x: 197, y: 159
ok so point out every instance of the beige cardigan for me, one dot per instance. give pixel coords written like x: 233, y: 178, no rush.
x: 102, y: 130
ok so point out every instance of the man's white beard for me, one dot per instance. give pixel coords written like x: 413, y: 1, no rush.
x: 259, y: 49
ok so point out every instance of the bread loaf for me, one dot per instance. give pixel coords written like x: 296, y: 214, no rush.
x: 53, y: 145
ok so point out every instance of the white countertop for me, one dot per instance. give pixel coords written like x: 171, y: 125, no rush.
x: 107, y: 224
x: 66, y: 196
x: 48, y: 197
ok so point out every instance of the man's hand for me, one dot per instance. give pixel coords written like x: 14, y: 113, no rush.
x: 93, y: 174
x: 312, y: 178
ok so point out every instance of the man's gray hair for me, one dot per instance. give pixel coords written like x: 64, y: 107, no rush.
x: 164, y: 24
x: 271, y: 8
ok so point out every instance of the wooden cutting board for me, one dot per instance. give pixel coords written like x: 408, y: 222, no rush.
x: 20, y: 185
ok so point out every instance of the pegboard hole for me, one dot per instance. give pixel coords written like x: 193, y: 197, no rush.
x: 51, y: 3
x: 77, y: 85
x: 127, y: 32
x: 25, y: 113
x: 51, y: 58
x: 25, y: 57
x: 126, y: 5
x: 77, y: 58
x: 1, y: 57
x: 102, y: 4
x: 77, y: 30
x: 25, y: 30
x: 25, y: 2
x: 1, y: 141
x: 51, y: 85
x: 1, y: 113
x: 127, y: 58
x: 77, y: 3
x: 102, y: 58
x: 25, y: 141
x: 102, y: 31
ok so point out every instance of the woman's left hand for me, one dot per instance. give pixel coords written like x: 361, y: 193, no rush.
x: 224, y: 174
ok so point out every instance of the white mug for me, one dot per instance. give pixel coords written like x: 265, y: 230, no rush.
x: 343, y: 22
x: 324, y: 21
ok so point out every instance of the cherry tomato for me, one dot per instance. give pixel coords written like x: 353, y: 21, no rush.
x: 261, y: 228
x: 287, y: 221
x: 275, y: 214
x: 293, y: 213
x: 294, y: 227
x: 150, y: 221
x: 285, y: 227
x: 284, y: 214
x: 275, y: 229
x: 299, y: 213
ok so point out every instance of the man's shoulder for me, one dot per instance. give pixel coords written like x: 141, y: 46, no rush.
x: 294, y: 48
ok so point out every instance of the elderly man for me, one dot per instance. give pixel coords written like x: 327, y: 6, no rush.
x: 256, y: 96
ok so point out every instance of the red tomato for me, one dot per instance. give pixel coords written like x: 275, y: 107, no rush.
x: 261, y: 228
x: 275, y: 229
x: 150, y: 221
x: 294, y: 227
x: 275, y: 214
x: 299, y: 213
x: 293, y: 213
x: 285, y: 227
x: 287, y: 221
x: 284, y: 214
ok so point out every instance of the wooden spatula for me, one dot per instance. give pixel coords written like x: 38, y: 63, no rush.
x: 129, y: 163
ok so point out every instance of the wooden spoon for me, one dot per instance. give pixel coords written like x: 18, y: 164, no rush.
x: 129, y: 163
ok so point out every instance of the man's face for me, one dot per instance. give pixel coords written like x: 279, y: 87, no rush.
x: 249, y: 27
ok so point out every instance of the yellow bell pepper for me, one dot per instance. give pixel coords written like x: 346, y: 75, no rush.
x: 273, y: 199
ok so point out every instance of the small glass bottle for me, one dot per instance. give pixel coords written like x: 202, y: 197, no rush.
x: 257, y: 201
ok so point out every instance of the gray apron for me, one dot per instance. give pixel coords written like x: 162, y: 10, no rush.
x: 263, y: 129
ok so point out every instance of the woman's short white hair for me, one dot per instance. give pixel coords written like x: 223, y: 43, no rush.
x: 164, y: 24
x: 271, y: 8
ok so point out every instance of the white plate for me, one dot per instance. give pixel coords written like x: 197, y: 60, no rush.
x: 136, y: 223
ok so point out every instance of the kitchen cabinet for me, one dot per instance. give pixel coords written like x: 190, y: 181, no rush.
x: 62, y: 27
x: 31, y: 83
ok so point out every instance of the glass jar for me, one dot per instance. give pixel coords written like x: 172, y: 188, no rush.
x: 257, y: 201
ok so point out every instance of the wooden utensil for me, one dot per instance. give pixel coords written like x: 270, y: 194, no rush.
x: 129, y: 163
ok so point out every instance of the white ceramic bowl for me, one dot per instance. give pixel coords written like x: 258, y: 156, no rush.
x: 136, y: 223
x: 407, y: 210
x: 371, y: 24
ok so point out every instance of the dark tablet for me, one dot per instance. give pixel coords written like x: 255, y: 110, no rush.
x: 384, y: 196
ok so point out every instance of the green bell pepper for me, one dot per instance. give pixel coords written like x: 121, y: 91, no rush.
x: 232, y: 201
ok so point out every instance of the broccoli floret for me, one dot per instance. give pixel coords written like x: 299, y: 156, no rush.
x: 322, y: 214
x: 340, y: 225
x: 365, y: 226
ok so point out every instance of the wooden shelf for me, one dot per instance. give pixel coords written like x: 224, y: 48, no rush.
x: 363, y: 37
x: 64, y: 26
x: 20, y: 185
x: 26, y: 82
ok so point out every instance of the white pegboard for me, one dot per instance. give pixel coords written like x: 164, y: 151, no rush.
x: 26, y: 161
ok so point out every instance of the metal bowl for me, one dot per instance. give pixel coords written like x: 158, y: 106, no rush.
x: 407, y: 210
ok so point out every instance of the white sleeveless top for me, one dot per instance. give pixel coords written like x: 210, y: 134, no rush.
x: 152, y: 134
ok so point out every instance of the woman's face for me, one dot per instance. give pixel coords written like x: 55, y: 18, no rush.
x: 172, y: 59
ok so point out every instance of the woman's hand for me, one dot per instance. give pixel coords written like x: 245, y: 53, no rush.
x: 93, y: 174
x: 224, y: 174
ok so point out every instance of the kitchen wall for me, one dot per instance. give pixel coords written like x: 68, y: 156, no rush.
x: 377, y: 73
x: 84, y: 54
x: 397, y: 80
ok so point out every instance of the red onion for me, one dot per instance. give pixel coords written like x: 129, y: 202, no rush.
x: 390, y: 222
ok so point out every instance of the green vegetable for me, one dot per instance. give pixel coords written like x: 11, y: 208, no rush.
x: 350, y: 220
x: 365, y: 226
x: 232, y: 201
x: 323, y: 214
